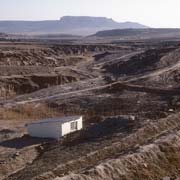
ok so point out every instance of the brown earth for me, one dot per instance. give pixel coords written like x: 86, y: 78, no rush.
x: 128, y: 94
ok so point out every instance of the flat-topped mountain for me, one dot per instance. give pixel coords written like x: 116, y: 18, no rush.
x: 78, y: 25
x: 98, y: 22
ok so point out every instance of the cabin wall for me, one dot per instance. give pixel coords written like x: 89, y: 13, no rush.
x: 45, y: 130
x: 66, y: 127
x: 80, y: 123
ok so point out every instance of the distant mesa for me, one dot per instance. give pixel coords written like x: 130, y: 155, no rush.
x: 76, y: 25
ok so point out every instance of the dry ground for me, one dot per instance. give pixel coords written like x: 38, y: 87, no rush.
x: 128, y: 94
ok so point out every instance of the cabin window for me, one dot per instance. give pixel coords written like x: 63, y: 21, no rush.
x: 74, y: 125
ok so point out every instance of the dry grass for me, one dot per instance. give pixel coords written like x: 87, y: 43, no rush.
x: 29, y: 112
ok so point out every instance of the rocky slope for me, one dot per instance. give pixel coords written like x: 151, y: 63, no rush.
x: 128, y: 95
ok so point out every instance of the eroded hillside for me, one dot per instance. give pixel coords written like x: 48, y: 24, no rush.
x: 128, y: 94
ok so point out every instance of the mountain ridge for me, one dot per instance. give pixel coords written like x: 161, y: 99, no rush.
x: 77, y: 25
x: 138, y: 33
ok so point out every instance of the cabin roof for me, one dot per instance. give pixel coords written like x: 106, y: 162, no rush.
x: 56, y: 120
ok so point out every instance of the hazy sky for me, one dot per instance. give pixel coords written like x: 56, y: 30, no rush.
x: 155, y: 13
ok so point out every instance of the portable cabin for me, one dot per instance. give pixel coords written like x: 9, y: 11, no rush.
x: 55, y: 127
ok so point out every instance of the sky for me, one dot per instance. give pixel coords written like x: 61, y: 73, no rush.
x: 154, y: 13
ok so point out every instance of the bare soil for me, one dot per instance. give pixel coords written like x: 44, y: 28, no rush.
x: 127, y: 92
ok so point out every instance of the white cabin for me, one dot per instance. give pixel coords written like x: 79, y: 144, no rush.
x: 55, y: 128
